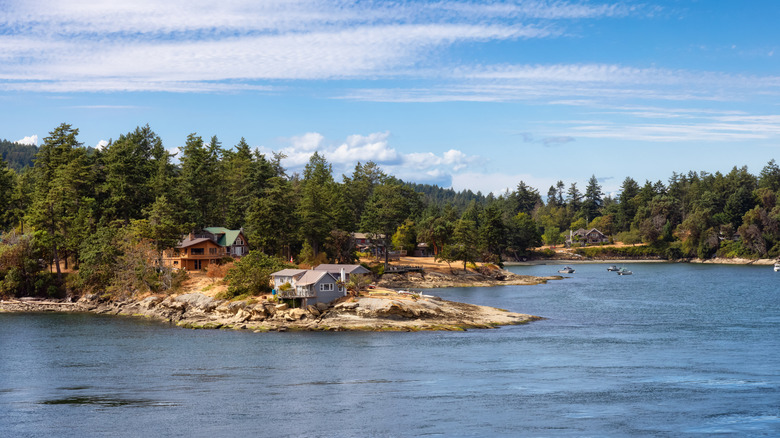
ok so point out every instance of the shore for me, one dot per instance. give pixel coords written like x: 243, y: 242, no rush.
x: 382, y: 310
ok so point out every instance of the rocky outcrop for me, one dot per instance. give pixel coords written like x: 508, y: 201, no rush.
x: 390, y: 312
x: 436, y: 279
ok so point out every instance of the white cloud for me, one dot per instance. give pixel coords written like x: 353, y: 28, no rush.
x: 30, y: 140
x: 309, y: 142
x: 422, y: 167
x: 373, y: 147
x: 101, y: 144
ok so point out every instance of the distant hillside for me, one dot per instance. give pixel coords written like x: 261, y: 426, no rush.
x: 438, y: 196
x: 18, y: 156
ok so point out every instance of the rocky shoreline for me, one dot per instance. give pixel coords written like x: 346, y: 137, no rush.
x: 385, y: 311
x: 438, y: 279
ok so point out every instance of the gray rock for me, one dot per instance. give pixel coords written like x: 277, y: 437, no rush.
x: 150, y: 302
x: 242, y: 315
x: 347, y: 306
x: 295, y: 314
x: 197, y: 300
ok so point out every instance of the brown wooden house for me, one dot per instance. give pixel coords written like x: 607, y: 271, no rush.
x: 200, y: 249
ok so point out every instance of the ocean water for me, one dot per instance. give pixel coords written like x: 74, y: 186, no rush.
x: 673, y: 350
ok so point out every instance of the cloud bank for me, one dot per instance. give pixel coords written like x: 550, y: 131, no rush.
x: 420, y: 167
x: 206, y: 46
x: 29, y: 140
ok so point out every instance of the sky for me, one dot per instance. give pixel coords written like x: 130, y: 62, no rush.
x: 475, y: 95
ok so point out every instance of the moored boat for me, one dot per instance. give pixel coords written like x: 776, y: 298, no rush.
x: 777, y: 266
x: 566, y: 270
x: 624, y: 271
x: 613, y: 268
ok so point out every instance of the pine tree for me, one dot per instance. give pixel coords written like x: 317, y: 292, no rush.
x: 317, y: 198
x: 7, y: 189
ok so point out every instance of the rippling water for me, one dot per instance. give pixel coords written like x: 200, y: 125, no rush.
x: 674, y: 350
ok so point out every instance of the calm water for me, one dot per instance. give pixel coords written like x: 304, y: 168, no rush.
x: 674, y: 350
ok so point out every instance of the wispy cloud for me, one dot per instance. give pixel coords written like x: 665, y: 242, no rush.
x: 203, y: 46
x: 577, y: 84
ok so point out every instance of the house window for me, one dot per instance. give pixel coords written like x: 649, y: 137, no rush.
x: 239, y: 241
x: 212, y: 251
x: 175, y: 263
x: 326, y: 287
x: 197, y: 251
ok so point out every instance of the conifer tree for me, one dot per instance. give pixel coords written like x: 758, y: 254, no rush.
x: 317, y: 195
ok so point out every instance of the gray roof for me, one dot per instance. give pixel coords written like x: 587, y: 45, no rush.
x: 312, y: 277
x: 187, y: 242
x: 288, y: 272
x: 336, y: 269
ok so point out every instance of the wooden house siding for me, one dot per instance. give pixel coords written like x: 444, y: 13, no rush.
x: 198, y: 250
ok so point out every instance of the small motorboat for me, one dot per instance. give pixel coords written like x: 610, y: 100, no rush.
x: 777, y: 266
x: 566, y: 270
x: 613, y: 268
x: 624, y: 271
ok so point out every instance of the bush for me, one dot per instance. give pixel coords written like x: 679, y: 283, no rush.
x: 252, y: 274
x: 377, y: 270
x: 628, y: 252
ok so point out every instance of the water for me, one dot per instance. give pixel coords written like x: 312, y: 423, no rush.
x: 674, y: 350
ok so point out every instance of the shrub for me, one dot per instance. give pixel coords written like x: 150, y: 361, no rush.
x: 252, y: 274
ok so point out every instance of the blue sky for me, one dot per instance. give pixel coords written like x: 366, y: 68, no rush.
x: 473, y: 95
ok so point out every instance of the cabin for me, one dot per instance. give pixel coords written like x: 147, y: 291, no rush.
x: 323, y: 284
x: 199, y: 249
x: 423, y: 250
x: 364, y: 243
x: 586, y: 237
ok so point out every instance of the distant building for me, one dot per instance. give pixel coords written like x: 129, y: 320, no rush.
x: 198, y: 250
x: 586, y: 237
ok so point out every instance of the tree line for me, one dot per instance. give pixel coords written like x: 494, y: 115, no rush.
x: 109, y: 211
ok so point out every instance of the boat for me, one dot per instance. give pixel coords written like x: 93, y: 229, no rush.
x: 624, y: 271
x: 613, y: 268
x: 566, y: 270
x: 777, y: 266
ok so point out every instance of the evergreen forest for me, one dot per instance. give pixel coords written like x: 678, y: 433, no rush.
x: 106, y: 215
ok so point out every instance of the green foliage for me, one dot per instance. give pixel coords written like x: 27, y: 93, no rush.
x: 21, y: 271
x: 7, y: 188
x: 18, y: 156
x: 252, y: 274
x: 627, y: 252
x: 390, y: 205
x: 357, y: 283
x: 552, y: 236
x: 405, y: 237
x: 631, y: 237
x: 315, y: 211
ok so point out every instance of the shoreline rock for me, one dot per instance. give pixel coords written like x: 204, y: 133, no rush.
x: 389, y: 312
x: 438, y: 279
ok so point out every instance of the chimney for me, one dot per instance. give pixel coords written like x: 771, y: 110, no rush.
x: 343, y: 276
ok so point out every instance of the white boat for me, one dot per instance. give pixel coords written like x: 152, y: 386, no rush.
x: 613, y: 268
x: 624, y: 271
x: 777, y: 266
x: 566, y: 270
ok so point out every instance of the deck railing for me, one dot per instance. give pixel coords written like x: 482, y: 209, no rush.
x: 292, y: 293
